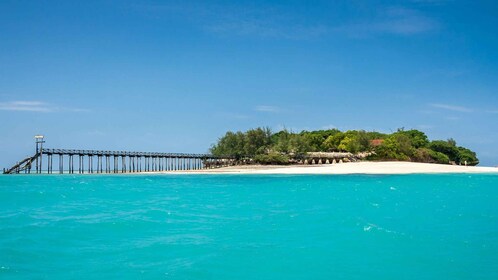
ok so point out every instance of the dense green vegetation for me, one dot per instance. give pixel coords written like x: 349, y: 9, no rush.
x: 266, y: 147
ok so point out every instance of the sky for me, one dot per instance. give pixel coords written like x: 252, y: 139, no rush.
x: 174, y: 76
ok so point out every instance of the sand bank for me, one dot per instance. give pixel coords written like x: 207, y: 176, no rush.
x: 348, y: 168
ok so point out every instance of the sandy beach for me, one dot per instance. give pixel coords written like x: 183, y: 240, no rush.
x: 347, y: 168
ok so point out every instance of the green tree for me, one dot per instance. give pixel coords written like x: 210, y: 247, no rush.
x: 317, y: 138
x: 350, y: 144
x: 395, y: 147
x: 418, y: 139
x: 446, y: 148
x: 333, y: 141
x: 281, y: 141
x: 230, y: 144
x: 467, y: 156
x: 298, y: 145
x: 430, y: 156
x: 258, y: 141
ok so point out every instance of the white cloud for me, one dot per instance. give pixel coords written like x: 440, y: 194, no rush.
x: 393, y: 20
x: 30, y: 106
x: 35, y: 106
x: 451, y: 107
x: 241, y: 20
x: 266, y: 28
x: 267, y: 108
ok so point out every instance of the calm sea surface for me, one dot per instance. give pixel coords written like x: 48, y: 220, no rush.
x: 249, y: 227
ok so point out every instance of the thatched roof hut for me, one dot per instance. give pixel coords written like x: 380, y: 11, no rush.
x: 330, y: 155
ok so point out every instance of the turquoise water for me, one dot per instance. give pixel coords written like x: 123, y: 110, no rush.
x: 249, y: 227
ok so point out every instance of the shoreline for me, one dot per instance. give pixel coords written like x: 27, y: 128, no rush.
x: 387, y: 167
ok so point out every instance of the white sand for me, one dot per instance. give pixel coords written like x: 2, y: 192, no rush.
x: 348, y: 168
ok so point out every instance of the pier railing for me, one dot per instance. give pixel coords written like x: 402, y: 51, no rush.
x: 100, y: 161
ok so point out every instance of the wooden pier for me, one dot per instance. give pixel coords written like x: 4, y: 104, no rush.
x: 96, y: 161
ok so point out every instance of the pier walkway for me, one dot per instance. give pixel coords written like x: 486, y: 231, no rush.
x: 98, y: 161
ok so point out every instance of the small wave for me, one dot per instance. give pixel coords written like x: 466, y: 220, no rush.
x: 369, y: 227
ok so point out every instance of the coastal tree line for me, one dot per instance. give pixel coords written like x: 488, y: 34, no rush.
x: 266, y: 147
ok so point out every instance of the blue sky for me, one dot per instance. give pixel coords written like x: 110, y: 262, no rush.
x: 173, y: 76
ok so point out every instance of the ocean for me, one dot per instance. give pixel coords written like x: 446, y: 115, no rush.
x: 249, y: 226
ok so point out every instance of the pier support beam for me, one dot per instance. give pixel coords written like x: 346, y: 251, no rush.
x: 70, y: 161
x: 123, y: 164
x: 61, y: 164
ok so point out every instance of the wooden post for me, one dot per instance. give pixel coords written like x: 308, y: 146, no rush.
x: 36, y: 163
x: 61, y: 163
x: 70, y: 164
x: 100, y: 164
x: 123, y: 164
x: 89, y: 164
x: 51, y: 164
x: 41, y: 160
x: 107, y: 167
